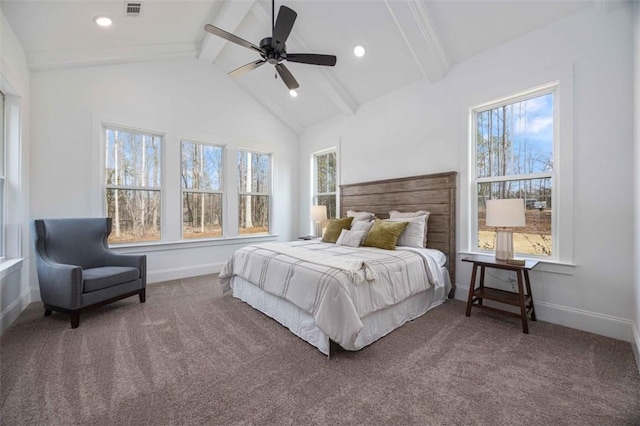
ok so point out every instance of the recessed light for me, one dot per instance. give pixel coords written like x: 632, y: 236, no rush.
x: 293, y: 93
x: 359, y: 51
x: 103, y: 21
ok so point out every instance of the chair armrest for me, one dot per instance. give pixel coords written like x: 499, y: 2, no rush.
x: 60, y: 284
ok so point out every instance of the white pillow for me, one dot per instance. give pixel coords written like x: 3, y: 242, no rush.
x: 362, y: 226
x: 413, y: 235
x: 395, y: 214
x: 360, y: 216
x: 350, y: 238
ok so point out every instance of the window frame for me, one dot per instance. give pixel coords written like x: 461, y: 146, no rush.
x: 223, y: 184
x: 3, y: 176
x: 550, y: 88
x: 314, y: 180
x: 103, y: 128
x: 14, y: 244
x: 242, y: 193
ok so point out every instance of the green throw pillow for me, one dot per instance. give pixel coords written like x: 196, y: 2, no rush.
x: 384, y: 235
x: 334, y: 229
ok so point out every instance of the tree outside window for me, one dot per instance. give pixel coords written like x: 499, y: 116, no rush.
x: 514, y: 144
x: 133, y: 185
x: 202, y: 172
x: 254, y: 189
x: 325, y: 182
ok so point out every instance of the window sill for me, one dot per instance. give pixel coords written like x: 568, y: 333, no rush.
x: 188, y: 244
x: 9, y: 266
x: 544, y: 265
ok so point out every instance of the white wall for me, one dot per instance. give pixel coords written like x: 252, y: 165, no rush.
x: 636, y: 72
x: 182, y: 98
x: 14, y: 83
x: 422, y: 129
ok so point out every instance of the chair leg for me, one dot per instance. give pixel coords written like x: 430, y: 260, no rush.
x: 75, y: 319
x: 143, y: 295
x: 47, y: 312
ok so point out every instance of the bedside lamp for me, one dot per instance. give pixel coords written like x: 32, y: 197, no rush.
x: 503, y: 214
x: 318, y: 214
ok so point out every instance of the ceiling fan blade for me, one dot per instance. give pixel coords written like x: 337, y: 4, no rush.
x: 282, y: 28
x: 231, y: 37
x: 246, y: 68
x: 287, y: 77
x: 312, y: 58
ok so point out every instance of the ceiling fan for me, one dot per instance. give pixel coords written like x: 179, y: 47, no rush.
x: 273, y: 49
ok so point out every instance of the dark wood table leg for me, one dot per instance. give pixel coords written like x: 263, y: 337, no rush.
x: 472, y: 286
x: 528, y: 283
x: 523, y: 308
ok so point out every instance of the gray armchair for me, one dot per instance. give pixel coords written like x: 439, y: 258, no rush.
x: 77, y: 270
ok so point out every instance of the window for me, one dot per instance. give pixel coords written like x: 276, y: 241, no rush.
x: 254, y: 189
x: 513, y: 141
x: 202, y: 185
x: 132, y: 174
x: 11, y: 173
x: 325, y: 177
x: 2, y: 174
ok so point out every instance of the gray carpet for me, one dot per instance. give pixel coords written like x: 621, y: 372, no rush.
x: 192, y: 356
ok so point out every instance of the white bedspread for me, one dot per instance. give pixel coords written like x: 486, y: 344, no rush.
x: 357, y: 269
x: 328, y: 293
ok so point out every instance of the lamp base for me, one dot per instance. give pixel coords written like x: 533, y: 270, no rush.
x: 504, y: 244
x: 318, y: 229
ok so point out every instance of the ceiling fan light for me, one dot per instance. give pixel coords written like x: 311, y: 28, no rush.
x: 103, y: 21
x: 293, y: 93
x: 359, y: 51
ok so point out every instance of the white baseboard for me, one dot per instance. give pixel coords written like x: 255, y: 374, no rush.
x: 183, y: 272
x: 35, y: 294
x: 604, y: 325
x: 635, y: 343
x: 592, y: 322
x: 10, y: 314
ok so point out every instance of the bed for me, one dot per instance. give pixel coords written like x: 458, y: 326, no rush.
x: 324, y: 292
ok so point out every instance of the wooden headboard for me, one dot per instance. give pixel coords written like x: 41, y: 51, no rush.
x: 435, y: 193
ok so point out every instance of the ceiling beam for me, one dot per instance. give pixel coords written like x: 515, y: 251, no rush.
x: 419, y: 33
x: 228, y: 18
x: 88, y: 57
x: 334, y: 90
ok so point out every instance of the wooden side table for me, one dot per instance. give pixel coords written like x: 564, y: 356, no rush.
x: 520, y: 299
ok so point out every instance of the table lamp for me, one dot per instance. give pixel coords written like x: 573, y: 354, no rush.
x: 318, y: 214
x: 505, y: 214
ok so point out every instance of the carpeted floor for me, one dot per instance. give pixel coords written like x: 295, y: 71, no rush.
x: 192, y: 356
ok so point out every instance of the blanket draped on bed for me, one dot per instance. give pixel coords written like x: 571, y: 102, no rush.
x: 354, y: 268
x: 326, y: 288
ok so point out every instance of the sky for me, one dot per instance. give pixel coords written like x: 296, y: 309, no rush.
x: 530, y: 125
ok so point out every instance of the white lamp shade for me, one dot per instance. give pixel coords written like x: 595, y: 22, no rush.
x: 505, y: 213
x: 318, y: 213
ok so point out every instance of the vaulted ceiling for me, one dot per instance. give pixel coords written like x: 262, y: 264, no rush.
x: 405, y: 41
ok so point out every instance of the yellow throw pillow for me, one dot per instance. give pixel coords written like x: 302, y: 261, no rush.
x: 334, y: 229
x: 384, y: 235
